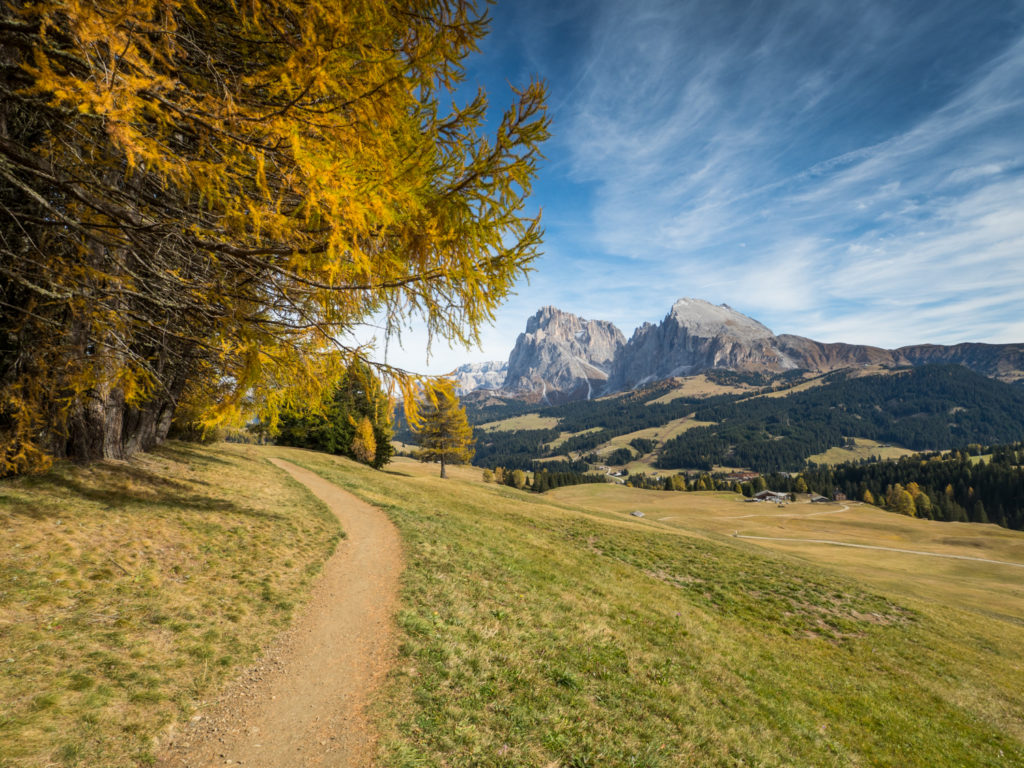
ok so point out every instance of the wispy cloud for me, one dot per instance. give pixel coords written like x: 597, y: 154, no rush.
x: 770, y: 155
x: 847, y: 171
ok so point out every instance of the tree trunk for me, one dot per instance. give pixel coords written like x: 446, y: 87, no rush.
x: 95, y: 427
x: 443, y: 473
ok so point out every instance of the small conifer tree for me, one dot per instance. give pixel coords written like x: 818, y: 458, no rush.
x: 444, y: 434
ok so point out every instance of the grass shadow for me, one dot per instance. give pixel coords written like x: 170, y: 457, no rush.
x: 190, y: 453
x: 124, y: 487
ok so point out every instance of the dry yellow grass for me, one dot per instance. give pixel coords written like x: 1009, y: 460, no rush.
x: 559, y: 630
x: 990, y: 588
x: 699, y: 386
x: 864, y: 449
x: 660, y: 434
x: 128, y: 590
x: 524, y: 421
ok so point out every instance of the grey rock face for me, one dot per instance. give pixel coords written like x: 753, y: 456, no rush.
x: 563, y: 355
x: 473, y: 376
x: 694, y: 336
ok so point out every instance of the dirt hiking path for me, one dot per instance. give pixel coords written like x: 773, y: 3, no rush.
x: 302, y: 704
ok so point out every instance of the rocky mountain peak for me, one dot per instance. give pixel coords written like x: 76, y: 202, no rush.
x: 562, y: 356
x: 474, y: 376
x: 706, y: 320
x: 694, y: 336
x: 563, y: 353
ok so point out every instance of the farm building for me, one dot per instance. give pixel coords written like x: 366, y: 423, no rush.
x: 776, y: 496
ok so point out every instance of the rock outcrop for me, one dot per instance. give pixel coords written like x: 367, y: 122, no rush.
x: 562, y: 356
x: 474, y: 376
x: 695, y: 336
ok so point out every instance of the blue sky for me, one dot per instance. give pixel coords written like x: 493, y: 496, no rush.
x: 848, y: 171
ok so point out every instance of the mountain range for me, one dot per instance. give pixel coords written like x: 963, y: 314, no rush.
x: 562, y: 357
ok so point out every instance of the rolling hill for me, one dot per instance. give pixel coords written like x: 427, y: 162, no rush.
x: 533, y: 630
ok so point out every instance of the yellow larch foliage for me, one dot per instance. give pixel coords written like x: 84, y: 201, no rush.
x: 206, y: 197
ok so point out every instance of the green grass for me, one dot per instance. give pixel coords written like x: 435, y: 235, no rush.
x: 552, y: 630
x: 536, y: 632
x: 130, y: 591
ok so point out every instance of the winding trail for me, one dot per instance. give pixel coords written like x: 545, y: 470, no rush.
x: 790, y: 514
x: 302, y: 704
x: 884, y: 549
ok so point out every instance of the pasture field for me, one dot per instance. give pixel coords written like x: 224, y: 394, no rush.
x: 699, y: 386
x: 523, y: 421
x: 559, y: 630
x: 660, y: 433
x: 863, y: 449
x: 553, y: 630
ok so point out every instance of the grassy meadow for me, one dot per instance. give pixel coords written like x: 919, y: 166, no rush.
x: 554, y: 630
x: 559, y: 630
x: 862, y: 449
x: 129, y: 591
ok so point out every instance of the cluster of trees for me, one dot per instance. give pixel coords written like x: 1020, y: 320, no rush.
x: 643, y: 445
x: 545, y: 480
x: 201, y: 200
x: 513, y: 478
x: 515, y: 449
x: 622, y: 455
x: 921, y: 408
x: 541, y: 480
x: 353, y: 421
x: 703, y: 481
x: 976, y: 484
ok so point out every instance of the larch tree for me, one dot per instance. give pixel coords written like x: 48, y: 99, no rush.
x: 444, y: 434
x: 200, y: 200
x: 364, y: 444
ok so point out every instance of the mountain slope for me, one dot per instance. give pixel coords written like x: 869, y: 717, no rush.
x: 562, y: 356
x: 925, y: 408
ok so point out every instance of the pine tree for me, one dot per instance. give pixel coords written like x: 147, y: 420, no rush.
x: 332, y: 426
x: 444, y: 433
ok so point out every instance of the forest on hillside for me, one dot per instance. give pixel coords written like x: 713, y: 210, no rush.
x: 977, y: 484
x: 925, y: 408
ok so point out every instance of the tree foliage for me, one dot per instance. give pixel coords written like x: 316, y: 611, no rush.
x: 957, y: 486
x: 444, y: 433
x: 198, y: 200
x: 353, y: 421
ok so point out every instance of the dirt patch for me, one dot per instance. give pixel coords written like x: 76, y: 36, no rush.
x: 303, y: 703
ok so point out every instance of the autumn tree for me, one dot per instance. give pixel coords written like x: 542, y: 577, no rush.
x: 444, y: 433
x: 200, y: 201
x: 353, y: 421
x: 364, y: 445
